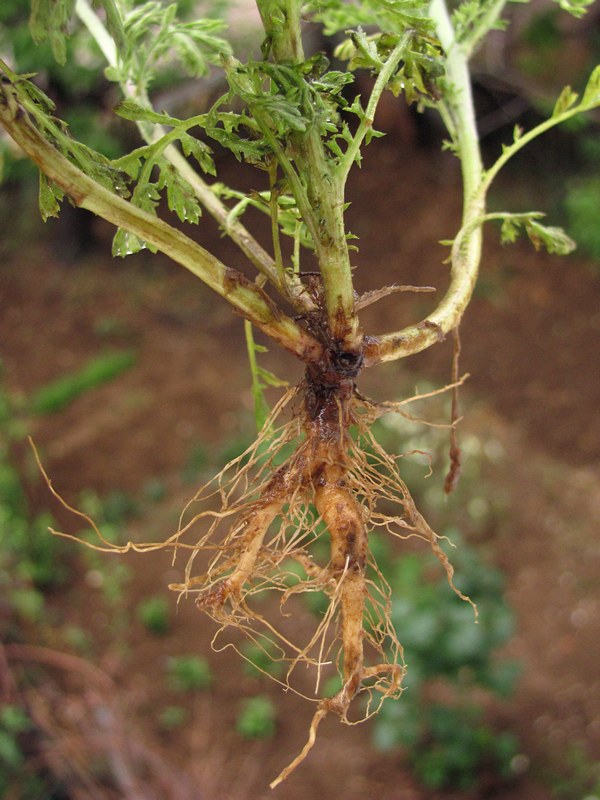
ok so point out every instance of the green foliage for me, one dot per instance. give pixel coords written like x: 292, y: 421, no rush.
x: 197, y: 461
x: 153, y: 613
x: 49, y: 20
x: 579, y: 776
x: 393, y: 15
x: 471, y: 15
x: 189, y: 674
x: 257, y: 718
x: 582, y: 202
x: 14, y: 722
x: 552, y: 239
x: 29, y: 559
x: 151, y: 33
x: 448, y: 745
x: 575, y: 7
x: 261, y: 378
x: 59, y: 394
x: 462, y: 751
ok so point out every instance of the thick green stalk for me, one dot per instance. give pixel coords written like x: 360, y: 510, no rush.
x: 465, y: 258
x: 245, y: 296
x: 325, y: 215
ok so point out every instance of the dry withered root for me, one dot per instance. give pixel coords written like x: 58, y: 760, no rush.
x: 319, y: 473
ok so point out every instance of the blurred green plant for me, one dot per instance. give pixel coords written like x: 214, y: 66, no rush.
x: 579, y: 778
x: 189, y: 674
x: 153, y: 613
x: 449, y: 744
x: 15, y: 779
x: 257, y: 718
x: 30, y: 560
x: 77, y: 85
x: 582, y: 202
x: 99, y: 370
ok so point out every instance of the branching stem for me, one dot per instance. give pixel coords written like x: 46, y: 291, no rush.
x: 465, y: 260
x: 234, y: 229
x: 246, y: 297
x: 318, y: 193
x: 345, y: 164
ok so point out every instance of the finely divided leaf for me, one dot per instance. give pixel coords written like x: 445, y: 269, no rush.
x: 550, y: 238
x: 575, y: 7
x: 126, y: 243
x: 50, y: 196
x: 114, y: 22
x: 128, y: 109
x: 49, y: 20
x: 591, y: 95
x: 180, y: 195
x: 199, y: 151
x: 566, y: 100
x: 554, y: 240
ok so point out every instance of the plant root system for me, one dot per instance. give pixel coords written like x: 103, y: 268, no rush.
x: 291, y: 516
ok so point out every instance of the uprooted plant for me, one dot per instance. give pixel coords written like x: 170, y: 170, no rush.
x: 315, y: 470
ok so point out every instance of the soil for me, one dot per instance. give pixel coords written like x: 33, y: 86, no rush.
x: 530, y: 345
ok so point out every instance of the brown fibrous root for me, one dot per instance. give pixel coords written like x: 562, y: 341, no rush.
x: 307, y: 481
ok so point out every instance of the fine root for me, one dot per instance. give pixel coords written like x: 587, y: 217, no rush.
x: 292, y: 516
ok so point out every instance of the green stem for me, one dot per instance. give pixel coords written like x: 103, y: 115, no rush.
x: 248, y: 299
x: 366, y: 123
x: 484, y: 25
x: 524, y: 139
x: 466, y: 258
x: 274, y: 207
x: 321, y: 201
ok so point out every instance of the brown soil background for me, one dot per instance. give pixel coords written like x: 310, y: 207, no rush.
x: 530, y: 343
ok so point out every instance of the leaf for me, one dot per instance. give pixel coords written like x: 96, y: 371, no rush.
x: 180, y: 195
x: 577, y: 8
x: 130, y: 163
x: 146, y: 196
x: 114, y: 22
x: 197, y: 44
x: 554, y: 240
x: 252, y: 150
x: 153, y: 33
x: 591, y: 95
x: 49, y: 22
x: 566, y: 100
x: 268, y: 377
x: 126, y: 243
x: 128, y: 109
x: 509, y: 233
x: 198, y: 150
x: 97, y: 167
x: 50, y: 196
x: 333, y: 82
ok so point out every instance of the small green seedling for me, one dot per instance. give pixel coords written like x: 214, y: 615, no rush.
x: 189, y: 674
x: 257, y: 718
x: 153, y: 613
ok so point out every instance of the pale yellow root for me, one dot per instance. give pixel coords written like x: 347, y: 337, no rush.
x: 320, y: 713
x: 269, y: 517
